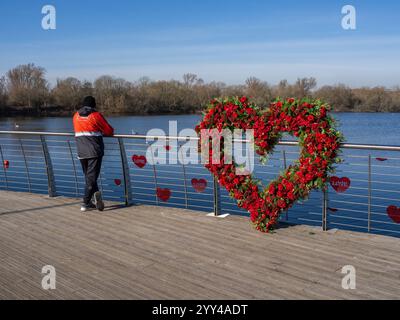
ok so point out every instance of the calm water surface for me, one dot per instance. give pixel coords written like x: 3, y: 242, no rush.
x: 367, y: 128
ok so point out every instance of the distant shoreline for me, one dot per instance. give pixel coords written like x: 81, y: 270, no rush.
x: 14, y: 112
x: 117, y: 96
x: 55, y: 112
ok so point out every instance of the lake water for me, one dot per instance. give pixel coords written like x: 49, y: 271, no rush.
x: 367, y: 128
x: 347, y: 210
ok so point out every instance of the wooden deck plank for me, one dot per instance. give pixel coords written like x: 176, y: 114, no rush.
x: 145, y: 252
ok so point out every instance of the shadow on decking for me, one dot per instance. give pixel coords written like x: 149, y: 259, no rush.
x: 30, y: 209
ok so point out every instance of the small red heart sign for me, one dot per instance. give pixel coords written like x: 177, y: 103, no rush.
x: 163, y: 194
x: 117, y: 182
x: 167, y: 147
x: 140, y: 161
x: 6, y: 164
x: 199, y: 184
x: 394, y: 213
x: 340, y: 184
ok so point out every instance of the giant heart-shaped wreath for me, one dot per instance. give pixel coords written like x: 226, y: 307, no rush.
x: 305, y: 119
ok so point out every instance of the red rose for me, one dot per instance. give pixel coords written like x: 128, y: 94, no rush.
x: 309, y: 176
x: 281, y: 204
x: 288, y: 185
x: 271, y: 189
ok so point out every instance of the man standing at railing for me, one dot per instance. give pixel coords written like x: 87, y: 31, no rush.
x: 90, y: 127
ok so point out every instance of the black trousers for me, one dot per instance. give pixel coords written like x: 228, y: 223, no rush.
x: 91, y: 169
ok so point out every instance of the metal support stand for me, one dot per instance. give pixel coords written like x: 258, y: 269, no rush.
x: 217, y: 201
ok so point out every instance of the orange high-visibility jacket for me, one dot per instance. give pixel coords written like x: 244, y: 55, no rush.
x: 90, y: 127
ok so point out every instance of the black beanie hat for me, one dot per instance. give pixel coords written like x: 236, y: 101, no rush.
x: 89, y: 101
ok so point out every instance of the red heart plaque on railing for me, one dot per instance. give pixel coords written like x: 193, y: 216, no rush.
x: 139, y: 161
x: 163, y: 194
x: 394, y: 213
x: 340, y: 184
x: 199, y: 184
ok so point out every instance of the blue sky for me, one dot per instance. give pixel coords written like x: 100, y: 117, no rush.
x: 219, y: 40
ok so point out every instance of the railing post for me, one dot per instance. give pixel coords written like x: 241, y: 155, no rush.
x: 217, y: 197
x: 4, y: 168
x: 49, y: 168
x: 125, y: 171
x: 284, y: 159
x: 74, y: 167
x: 369, y: 192
x: 26, y: 166
x: 154, y: 175
x: 285, y: 167
x: 100, y: 180
x: 325, y: 209
x: 184, y: 179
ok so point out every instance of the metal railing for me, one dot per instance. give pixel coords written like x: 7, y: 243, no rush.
x: 46, y: 162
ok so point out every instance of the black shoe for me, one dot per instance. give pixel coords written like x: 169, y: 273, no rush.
x: 88, y: 207
x: 98, y: 201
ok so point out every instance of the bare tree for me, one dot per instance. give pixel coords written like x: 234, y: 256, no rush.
x: 190, y: 79
x: 3, y: 92
x: 112, y: 93
x: 283, y: 90
x: 27, y: 85
x: 303, y: 87
x: 340, y: 97
x: 86, y: 89
x: 67, y: 93
x: 259, y: 91
x: 373, y: 99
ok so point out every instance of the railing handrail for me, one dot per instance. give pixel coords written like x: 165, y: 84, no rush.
x: 137, y: 136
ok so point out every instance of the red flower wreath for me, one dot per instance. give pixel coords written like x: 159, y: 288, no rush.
x: 319, y: 142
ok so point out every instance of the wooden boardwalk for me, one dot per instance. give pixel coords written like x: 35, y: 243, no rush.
x: 146, y: 252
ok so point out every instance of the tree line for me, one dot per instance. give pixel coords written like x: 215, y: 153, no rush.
x: 24, y: 90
